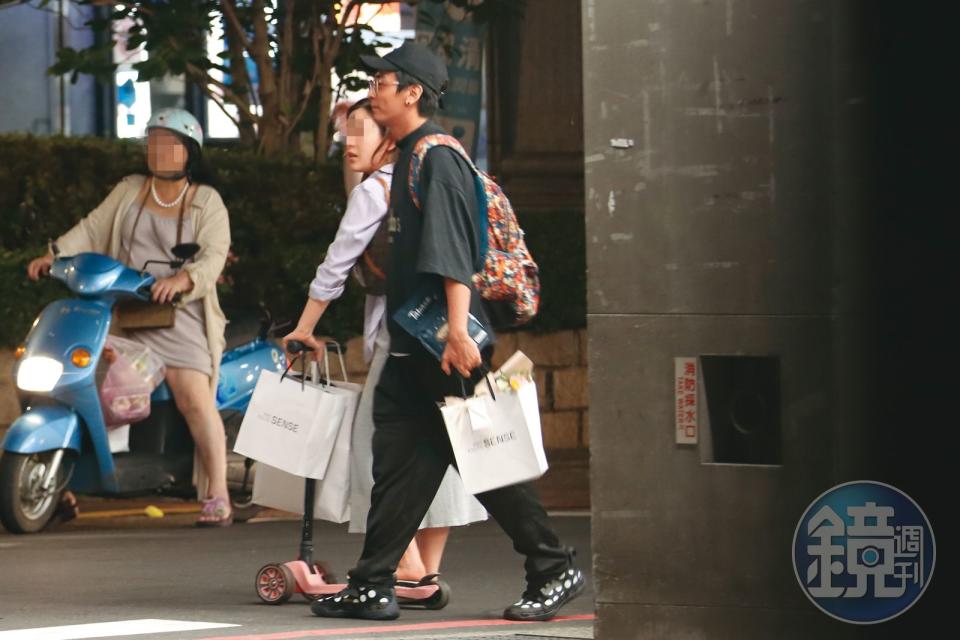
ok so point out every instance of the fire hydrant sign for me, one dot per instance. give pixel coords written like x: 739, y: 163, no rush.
x: 685, y: 380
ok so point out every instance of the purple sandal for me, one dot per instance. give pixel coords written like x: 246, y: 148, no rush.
x: 216, y: 512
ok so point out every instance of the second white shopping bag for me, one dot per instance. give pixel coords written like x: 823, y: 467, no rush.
x: 281, y: 490
x: 291, y: 425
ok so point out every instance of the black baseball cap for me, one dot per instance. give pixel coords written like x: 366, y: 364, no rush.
x: 416, y: 60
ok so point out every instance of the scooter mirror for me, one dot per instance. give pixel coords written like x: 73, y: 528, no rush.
x: 186, y: 250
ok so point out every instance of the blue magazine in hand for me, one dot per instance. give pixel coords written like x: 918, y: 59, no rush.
x: 424, y: 316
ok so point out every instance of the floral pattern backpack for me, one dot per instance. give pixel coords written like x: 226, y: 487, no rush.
x: 508, y: 279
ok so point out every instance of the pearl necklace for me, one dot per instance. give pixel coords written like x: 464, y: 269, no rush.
x: 168, y: 205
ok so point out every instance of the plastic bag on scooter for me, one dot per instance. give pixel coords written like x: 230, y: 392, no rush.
x: 133, y: 374
x: 145, y: 362
x: 124, y: 394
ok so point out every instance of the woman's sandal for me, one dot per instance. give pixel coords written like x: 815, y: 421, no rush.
x: 215, y: 512
x: 438, y: 600
x: 66, y: 510
x: 422, y: 582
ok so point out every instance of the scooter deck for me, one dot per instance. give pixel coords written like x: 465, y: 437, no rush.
x: 314, y: 584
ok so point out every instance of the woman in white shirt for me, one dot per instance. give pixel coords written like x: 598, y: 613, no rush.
x: 369, y: 151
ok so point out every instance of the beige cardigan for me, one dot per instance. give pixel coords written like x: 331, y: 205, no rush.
x: 100, y: 232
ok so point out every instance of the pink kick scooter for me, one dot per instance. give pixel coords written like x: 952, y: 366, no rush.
x: 276, y: 583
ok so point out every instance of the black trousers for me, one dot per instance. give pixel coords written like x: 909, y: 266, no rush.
x: 411, y: 453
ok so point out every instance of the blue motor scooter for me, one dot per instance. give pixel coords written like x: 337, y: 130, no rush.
x: 60, y: 441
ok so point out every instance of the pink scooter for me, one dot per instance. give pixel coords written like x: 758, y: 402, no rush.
x: 276, y: 583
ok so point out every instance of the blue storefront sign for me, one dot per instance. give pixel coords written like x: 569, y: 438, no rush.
x: 450, y: 32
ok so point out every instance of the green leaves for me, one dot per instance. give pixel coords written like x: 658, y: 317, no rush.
x: 172, y: 31
x: 96, y: 61
x: 174, y: 34
x: 358, y: 40
x: 283, y: 216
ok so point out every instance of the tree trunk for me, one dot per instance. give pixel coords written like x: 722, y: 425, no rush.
x: 248, y: 134
x: 241, y: 84
x: 273, y: 135
x: 273, y: 132
x: 321, y: 137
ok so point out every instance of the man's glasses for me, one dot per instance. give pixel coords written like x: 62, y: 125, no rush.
x: 376, y: 83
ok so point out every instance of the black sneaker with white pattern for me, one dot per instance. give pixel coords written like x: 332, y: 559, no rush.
x: 544, y: 602
x: 365, y: 602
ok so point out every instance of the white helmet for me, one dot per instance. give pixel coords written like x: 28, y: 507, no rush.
x: 178, y: 121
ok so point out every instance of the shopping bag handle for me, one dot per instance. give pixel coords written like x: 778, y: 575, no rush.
x: 339, y: 350
x: 485, y: 371
x: 322, y: 376
x: 298, y: 348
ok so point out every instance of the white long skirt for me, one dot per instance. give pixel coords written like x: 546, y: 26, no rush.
x: 452, y: 506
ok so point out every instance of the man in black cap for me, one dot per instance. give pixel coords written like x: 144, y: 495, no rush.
x: 436, y: 244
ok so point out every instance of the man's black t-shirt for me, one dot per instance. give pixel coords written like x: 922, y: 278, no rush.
x: 440, y: 239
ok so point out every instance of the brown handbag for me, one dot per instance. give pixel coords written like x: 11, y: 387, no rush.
x: 131, y: 315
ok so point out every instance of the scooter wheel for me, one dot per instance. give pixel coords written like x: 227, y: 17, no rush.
x: 275, y: 583
x: 24, y: 506
x: 328, y: 577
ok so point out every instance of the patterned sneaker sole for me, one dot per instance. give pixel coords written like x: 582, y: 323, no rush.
x: 541, y: 615
x: 370, y: 607
x: 390, y: 613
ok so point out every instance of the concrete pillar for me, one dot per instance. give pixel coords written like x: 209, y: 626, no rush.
x: 732, y: 188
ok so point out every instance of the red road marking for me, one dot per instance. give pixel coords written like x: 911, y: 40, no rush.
x: 383, y: 628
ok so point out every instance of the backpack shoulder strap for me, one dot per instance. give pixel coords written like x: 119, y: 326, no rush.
x: 385, y: 184
x: 420, y: 150
x: 480, y: 183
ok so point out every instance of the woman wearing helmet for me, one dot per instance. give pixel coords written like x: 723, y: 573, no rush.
x: 142, y: 219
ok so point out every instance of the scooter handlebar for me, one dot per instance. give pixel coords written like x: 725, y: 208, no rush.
x: 295, y: 347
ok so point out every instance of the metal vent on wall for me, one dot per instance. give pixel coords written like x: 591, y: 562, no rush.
x: 742, y: 396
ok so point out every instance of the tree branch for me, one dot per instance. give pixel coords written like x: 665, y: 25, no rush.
x: 230, y: 12
x: 194, y: 72
x: 331, y: 42
x: 261, y: 48
x: 286, y: 54
x: 204, y: 80
x: 238, y: 64
x: 315, y: 76
x: 223, y: 107
x: 354, y: 4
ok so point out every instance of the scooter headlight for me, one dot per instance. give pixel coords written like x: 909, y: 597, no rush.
x: 39, y: 373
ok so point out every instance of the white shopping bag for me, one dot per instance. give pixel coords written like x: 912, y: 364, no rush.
x: 281, y: 490
x: 497, y: 439
x: 291, y: 425
x: 119, y: 439
x: 278, y: 489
